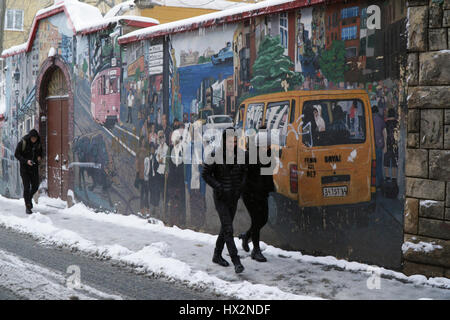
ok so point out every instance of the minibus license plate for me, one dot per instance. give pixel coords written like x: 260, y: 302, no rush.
x: 335, y: 192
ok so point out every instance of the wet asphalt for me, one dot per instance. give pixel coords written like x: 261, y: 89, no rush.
x: 104, y: 275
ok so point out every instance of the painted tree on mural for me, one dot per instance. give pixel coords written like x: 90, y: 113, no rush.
x: 332, y: 62
x: 272, y: 70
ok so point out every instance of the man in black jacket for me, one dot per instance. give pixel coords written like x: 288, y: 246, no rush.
x: 29, y: 154
x: 256, y: 195
x: 227, y: 180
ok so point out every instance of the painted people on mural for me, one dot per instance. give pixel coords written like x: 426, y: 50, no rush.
x: 176, y: 201
x: 196, y: 186
x: 151, y: 175
x: 380, y: 138
x: 141, y: 182
x: 130, y: 104
x: 390, y: 186
x: 161, y: 173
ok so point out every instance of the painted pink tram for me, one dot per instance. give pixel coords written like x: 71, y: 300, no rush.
x: 105, y: 97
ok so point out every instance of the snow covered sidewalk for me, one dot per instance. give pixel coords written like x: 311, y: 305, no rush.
x: 185, y: 256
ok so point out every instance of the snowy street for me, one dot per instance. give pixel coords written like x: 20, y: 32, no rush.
x: 100, y: 245
x: 47, y: 272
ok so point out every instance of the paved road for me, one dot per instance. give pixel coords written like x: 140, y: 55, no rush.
x: 103, y: 276
x: 6, y: 294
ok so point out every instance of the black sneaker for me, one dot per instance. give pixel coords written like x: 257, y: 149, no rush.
x: 28, y: 210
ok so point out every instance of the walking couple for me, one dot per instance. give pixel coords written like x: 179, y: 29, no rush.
x: 230, y: 181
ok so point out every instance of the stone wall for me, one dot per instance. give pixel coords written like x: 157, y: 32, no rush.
x: 427, y: 210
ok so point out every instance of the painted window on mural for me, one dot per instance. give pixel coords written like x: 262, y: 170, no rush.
x: 364, y: 18
x: 108, y: 85
x: 284, y: 29
x: 14, y: 20
x: 349, y: 33
x: 334, y: 122
x: 350, y: 52
x: 349, y: 12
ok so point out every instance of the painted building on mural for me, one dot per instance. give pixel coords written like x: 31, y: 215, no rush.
x: 143, y: 95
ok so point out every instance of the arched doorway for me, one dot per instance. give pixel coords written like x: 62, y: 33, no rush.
x: 57, y: 101
x: 55, y: 97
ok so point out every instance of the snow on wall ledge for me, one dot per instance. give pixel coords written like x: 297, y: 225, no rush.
x: 207, y: 20
x: 83, y: 17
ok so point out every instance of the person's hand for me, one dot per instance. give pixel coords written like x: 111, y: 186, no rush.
x: 39, y: 159
x: 30, y: 163
x: 385, y: 150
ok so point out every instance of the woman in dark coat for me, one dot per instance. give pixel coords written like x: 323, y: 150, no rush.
x: 256, y: 195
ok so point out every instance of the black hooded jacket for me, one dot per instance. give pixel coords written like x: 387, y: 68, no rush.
x: 26, y: 150
x: 227, y: 180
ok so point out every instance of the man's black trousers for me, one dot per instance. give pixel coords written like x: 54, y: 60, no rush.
x: 30, y: 180
x: 227, y: 210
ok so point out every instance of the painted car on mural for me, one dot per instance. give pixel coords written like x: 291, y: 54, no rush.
x: 219, y: 122
x: 105, y: 97
x: 225, y: 55
x: 326, y: 140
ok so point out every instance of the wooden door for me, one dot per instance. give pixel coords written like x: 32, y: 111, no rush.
x: 58, y: 147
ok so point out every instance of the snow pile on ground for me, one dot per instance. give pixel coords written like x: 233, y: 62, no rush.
x: 135, y: 222
x: 184, y: 256
x: 155, y: 259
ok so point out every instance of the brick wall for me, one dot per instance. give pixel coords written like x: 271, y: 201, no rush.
x: 427, y: 210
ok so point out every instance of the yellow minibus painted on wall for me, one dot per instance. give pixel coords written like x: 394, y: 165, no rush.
x: 326, y: 142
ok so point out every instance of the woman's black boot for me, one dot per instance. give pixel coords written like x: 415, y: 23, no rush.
x: 257, y: 255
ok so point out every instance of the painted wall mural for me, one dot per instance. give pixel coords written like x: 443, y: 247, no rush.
x: 139, y: 106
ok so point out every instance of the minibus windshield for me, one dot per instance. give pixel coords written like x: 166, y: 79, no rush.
x: 333, y: 122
